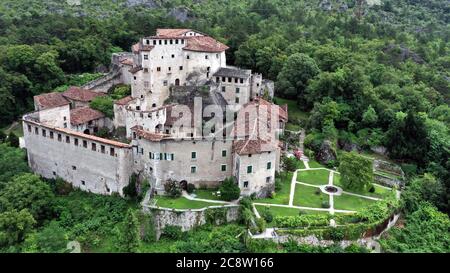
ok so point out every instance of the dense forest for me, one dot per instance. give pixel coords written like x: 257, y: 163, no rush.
x: 367, y: 74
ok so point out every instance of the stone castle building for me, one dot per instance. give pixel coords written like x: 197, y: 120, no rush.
x: 190, y: 118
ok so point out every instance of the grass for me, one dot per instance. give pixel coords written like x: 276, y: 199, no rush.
x: 293, y: 127
x: 313, y: 177
x: 206, y: 194
x: 349, y: 202
x: 281, y: 211
x: 181, y: 203
x: 15, y: 128
x: 380, y: 192
x: 306, y: 196
x: 294, y: 111
x: 282, y: 195
x: 300, y: 165
x: 315, y: 164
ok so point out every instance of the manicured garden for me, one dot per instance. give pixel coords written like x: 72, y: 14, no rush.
x: 210, y: 194
x: 350, y: 202
x: 306, y: 196
x: 314, y: 177
x: 281, y: 195
x: 181, y: 203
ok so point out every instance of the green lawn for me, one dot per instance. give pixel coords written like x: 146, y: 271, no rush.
x: 314, y: 177
x: 280, y: 211
x: 206, y: 194
x: 315, y: 164
x: 306, y: 196
x: 349, y: 202
x: 281, y: 196
x: 294, y: 111
x: 300, y: 165
x: 380, y: 192
x: 181, y: 203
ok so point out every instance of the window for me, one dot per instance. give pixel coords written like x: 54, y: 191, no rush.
x: 181, y: 67
x: 147, y: 42
x: 65, y: 125
x: 171, y: 42
x: 154, y: 42
x: 235, y: 80
x: 173, y: 56
x: 102, y: 149
x: 138, y: 108
x: 170, y: 68
x: 194, y: 155
x: 67, y: 139
x: 237, y: 100
x: 229, y: 79
x: 134, y: 77
x: 111, y: 151
x: 36, y: 130
x: 83, y: 183
x: 193, y: 169
x: 158, y: 69
x: 65, y: 118
x: 160, y: 42
x: 94, y: 147
x: 44, y: 133
x: 165, y: 42
x: 150, y: 155
x: 84, y: 143
x: 145, y: 70
x: 237, y: 89
x: 29, y: 128
x: 187, y: 57
x: 223, y: 89
x: 223, y: 167
x: 245, y: 184
x: 206, y: 57
x: 241, y: 80
x: 51, y: 135
x: 165, y: 83
x: 224, y: 153
x: 217, y: 56
x: 154, y: 105
x: 269, y: 165
x: 145, y: 57
x: 182, y: 41
x: 59, y: 137
x: 75, y: 141
x: 268, y: 179
x: 74, y: 168
x: 217, y: 79
x: 172, y: 157
x: 176, y: 41
x: 249, y: 169
x: 223, y: 79
x: 146, y: 84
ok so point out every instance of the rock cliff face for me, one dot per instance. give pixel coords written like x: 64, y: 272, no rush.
x: 326, y: 153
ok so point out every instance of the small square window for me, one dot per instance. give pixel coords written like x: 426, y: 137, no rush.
x: 223, y: 89
x: 59, y: 137
x: 237, y: 89
x: 188, y: 57
x: 158, y: 69
x: 44, y: 133
x: 194, y: 155
x: 51, y: 135
x: 206, y: 57
x: 249, y: 169
x: 102, y: 149
x: 224, y: 153
x: 67, y: 139
x: 170, y: 68
x: 245, y: 184
x: 84, y: 143
x: 173, y: 56
x: 74, y: 168
x: 269, y: 165
x: 217, y: 79
x: 181, y: 67
x: 229, y: 79
x: 268, y: 179
x: 165, y: 83
x: 83, y: 183
x: 112, y: 152
x: 145, y: 57
x: 94, y: 147
x: 193, y: 169
x: 223, y: 168
x: 241, y: 80
x: 75, y: 141
x: 237, y: 100
x: 223, y: 79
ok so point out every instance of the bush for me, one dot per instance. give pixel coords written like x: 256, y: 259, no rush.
x: 305, y: 220
x: 277, y: 184
x: 229, y: 190
x: 246, y: 202
x: 172, y: 188
x: 172, y: 232
x: 130, y: 189
x: 267, y: 215
x: 261, y: 224
x: 13, y: 140
x: 372, y: 189
x: 325, y: 204
x: 190, y: 188
x: 336, y: 234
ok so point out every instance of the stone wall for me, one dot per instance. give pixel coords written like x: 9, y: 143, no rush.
x: 189, y: 219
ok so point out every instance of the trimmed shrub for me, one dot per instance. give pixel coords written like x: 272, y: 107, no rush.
x: 229, y: 190
x: 325, y: 204
x: 172, y: 188
x: 267, y: 215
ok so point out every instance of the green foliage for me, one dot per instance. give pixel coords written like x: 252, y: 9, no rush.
x: 120, y: 91
x: 229, y: 190
x: 103, y: 104
x: 130, y: 190
x: 28, y: 191
x: 423, y: 188
x: 51, y: 239
x: 14, y: 226
x: 425, y: 231
x: 267, y: 215
x: 172, y: 188
x: 356, y: 171
x: 172, y: 232
x: 129, y: 237
x: 13, y: 140
x: 306, y: 220
x: 289, y: 164
x: 190, y: 188
x: 12, y: 162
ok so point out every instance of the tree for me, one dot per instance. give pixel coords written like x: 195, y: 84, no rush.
x: 13, y: 140
x: 52, y: 239
x: 229, y: 190
x: 129, y: 237
x: 356, y: 171
x: 14, y: 226
x: 370, y: 117
x: 295, y: 75
x: 12, y: 162
x: 27, y: 191
x: 172, y: 188
x: 103, y: 104
x: 289, y: 164
x: 423, y: 188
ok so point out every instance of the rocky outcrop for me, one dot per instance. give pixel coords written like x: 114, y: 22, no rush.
x: 181, y: 14
x: 326, y: 153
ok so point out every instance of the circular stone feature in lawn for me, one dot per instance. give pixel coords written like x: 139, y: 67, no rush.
x: 331, y: 190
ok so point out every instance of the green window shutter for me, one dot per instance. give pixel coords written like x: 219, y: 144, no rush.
x: 224, y: 168
x: 249, y: 169
x: 269, y: 165
x: 224, y: 153
x: 172, y: 156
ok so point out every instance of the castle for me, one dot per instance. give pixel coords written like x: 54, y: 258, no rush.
x: 190, y: 118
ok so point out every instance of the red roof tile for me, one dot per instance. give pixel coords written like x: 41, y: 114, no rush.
x: 246, y: 147
x: 127, y: 61
x: 83, y: 115
x: 172, y: 32
x: 147, y: 135
x: 204, y: 44
x: 80, y: 94
x: 50, y: 100
x: 124, y: 101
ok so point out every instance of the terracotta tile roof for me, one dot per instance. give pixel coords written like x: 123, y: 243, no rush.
x: 147, y: 135
x: 135, y: 69
x: 127, y: 61
x: 83, y: 115
x: 282, y: 110
x: 124, y: 101
x: 256, y: 146
x: 172, y: 32
x: 136, y: 48
x: 83, y: 136
x: 204, y: 44
x: 50, y: 100
x: 80, y: 94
